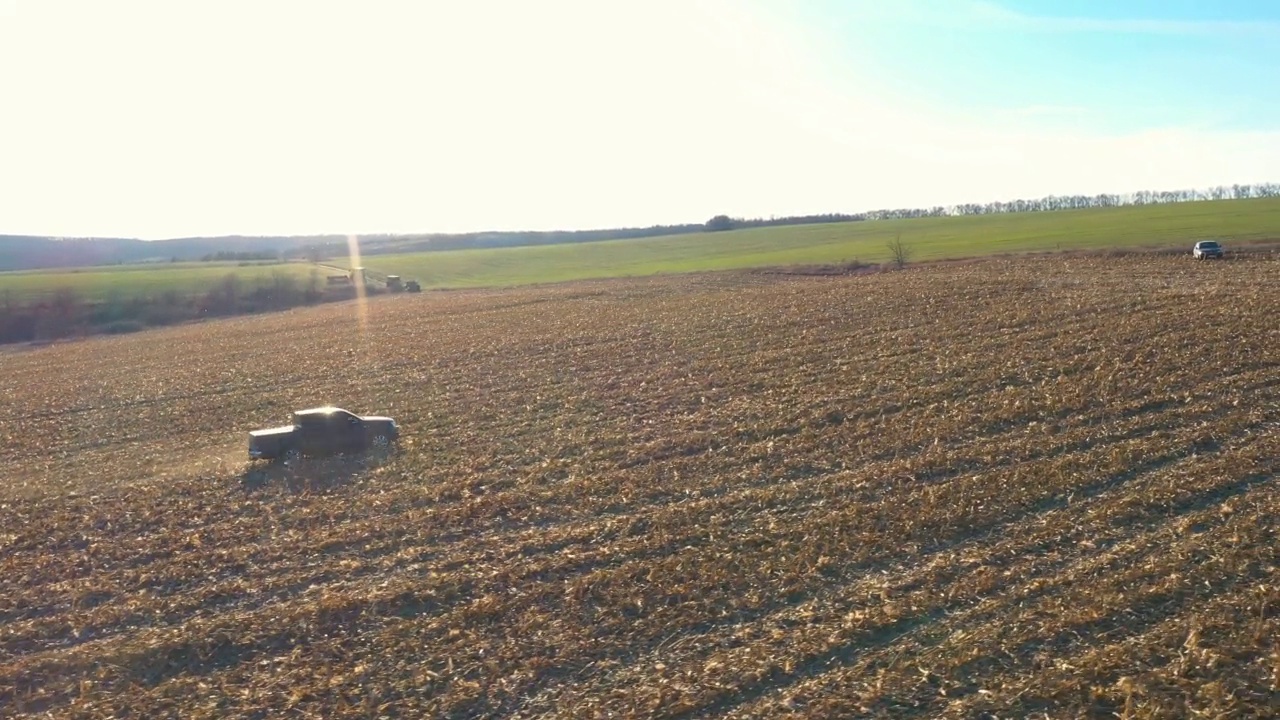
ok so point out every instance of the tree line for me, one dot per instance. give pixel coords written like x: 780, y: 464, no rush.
x: 1044, y: 204
x: 382, y: 244
x: 241, y: 256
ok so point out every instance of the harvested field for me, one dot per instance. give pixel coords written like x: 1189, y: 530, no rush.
x: 1043, y: 487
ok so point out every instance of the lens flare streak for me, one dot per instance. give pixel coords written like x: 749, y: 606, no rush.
x: 357, y: 276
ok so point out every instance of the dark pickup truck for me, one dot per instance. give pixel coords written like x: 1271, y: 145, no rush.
x: 323, y: 431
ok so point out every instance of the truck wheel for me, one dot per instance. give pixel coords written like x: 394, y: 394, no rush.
x: 381, y: 442
x: 291, y: 456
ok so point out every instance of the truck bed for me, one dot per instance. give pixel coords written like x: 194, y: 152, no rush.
x: 269, y: 443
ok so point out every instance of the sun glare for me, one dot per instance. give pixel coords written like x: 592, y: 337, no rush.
x: 357, y: 276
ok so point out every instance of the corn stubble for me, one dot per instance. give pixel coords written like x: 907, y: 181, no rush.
x: 1036, y: 487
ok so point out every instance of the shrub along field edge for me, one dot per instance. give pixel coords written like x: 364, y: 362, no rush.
x: 67, y: 312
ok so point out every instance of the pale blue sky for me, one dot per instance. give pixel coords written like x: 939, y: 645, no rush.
x: 1116, y: 66
x: 158, y: 118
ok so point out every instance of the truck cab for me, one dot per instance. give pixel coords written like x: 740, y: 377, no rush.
x: 323, y: 431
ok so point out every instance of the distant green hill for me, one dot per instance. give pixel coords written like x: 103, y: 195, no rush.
x: 24, y: 252
x: 929, y: 238
x: 142, y: 280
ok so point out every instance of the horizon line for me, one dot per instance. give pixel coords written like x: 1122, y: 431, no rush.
x: 948, y: 208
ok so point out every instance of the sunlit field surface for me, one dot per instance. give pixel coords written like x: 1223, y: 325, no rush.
x: 1014, y: 488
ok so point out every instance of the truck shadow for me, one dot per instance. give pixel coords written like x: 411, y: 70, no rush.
x: 309, y: 475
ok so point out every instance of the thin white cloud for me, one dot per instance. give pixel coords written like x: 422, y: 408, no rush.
x: 1050, y: 111
x: 985, y: 12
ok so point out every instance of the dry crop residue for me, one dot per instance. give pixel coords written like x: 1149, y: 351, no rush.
x: 1009, y: 488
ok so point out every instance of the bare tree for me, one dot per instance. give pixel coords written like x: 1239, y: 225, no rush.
x: 899, y: 252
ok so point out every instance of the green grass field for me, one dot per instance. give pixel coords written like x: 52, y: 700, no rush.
x: 99, y: 283
x: 1173, y: 225
x: 1176, y: 225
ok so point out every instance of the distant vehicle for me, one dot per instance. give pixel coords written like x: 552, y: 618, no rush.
x: 323, y: 431
x: 413, y: 286
x: 1207, y: 249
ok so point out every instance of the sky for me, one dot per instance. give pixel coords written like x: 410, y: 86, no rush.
x: 157, y: 118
